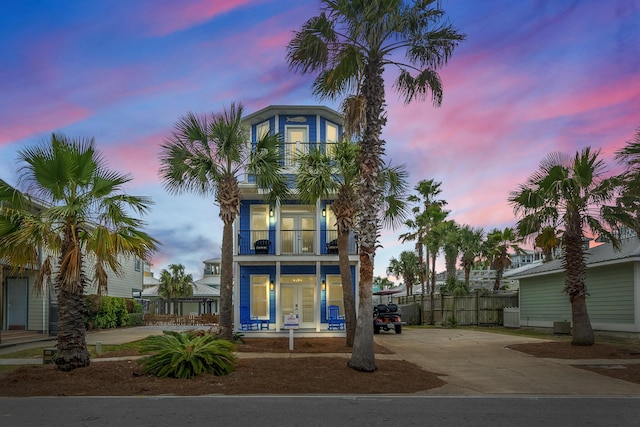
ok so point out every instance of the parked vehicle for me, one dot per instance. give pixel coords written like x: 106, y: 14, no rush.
x: 387, y: 317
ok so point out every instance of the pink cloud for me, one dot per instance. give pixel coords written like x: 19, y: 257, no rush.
x: 167, y: 17
x: 138, y: 156
x: 25, y: 121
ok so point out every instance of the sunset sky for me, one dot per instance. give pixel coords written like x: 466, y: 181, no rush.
x: 533, y: 77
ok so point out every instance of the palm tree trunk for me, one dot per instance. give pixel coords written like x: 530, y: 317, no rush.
x: 226, y: 282
x: 71, y: 352
x: 433, y: 287
x: 348, y: 296
x: 363, y: 355
x: 575, y: 287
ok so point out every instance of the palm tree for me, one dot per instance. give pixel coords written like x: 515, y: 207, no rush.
x: 206, y: 155
x: 351, y: 41
x: 174, y: 283
x: 407, y: 267
x: 451, y: 247
x: 548, y: 240
x: 628, y: 202
x: 322, y: 174
x: 76, y: 210
x: 434, y: 241
x: 382, y: 282
x: 498, y: 246
x: 570, y: 193
x: 471, y: 242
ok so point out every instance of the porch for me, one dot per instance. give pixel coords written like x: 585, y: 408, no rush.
x: 292, y: 242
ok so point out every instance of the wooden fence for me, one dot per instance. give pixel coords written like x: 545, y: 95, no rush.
x: 475, y: 308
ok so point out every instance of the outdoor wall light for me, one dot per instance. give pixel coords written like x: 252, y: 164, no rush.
x: 272, y: 286
x: 324, y: 285
x: 271, y: 212
x: 324, y: 212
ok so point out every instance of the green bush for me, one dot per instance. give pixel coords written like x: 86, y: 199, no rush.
x: 182, y: 355
x: 104, y: 312
x: 136, y: 319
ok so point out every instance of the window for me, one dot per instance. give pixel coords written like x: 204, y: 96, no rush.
x: 334, y: 292
x: 260, y: 296
x: 297, y: 143
x: 138, y: 264
x: 331, y: 226
x: 259, y: 222
x: 332, y: 138
x: 262, y: 129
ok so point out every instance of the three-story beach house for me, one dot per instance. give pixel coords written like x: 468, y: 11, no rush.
x: 285, y: 255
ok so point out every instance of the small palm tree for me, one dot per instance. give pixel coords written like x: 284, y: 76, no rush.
x: 548, y: 240
x: 471, y: 243
x: 76, y: 210
x: 570, y: 193
x: 351, y: 41
x: 406, y: 267
x: 207, y: 155
x: 174, y: 283
x: 498, y: 247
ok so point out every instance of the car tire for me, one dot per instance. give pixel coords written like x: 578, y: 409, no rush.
x: 398, y: 329
x: 376, y: 329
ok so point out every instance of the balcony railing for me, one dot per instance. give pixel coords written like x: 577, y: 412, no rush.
x: 292, y: 242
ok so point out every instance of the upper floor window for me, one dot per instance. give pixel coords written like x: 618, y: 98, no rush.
x: 296, y: 143
x: 259, y: 222
x: 332, y: 137
x: 262, y: 129
x: 138, y: 264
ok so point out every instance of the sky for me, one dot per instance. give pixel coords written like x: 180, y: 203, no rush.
x: 531, y: 78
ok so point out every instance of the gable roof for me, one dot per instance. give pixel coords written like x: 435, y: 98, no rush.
x: 598, y: 256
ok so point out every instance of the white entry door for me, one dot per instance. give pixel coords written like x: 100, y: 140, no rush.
x: 298, y: 296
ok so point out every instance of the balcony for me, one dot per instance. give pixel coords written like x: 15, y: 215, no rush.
x: 291, y: 242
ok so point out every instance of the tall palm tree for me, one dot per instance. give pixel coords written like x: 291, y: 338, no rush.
x: 323, y: 174
x: 435, y: 241
x: 75, y: 209
x: 406, y: 267
x: 572, y: 194
x: 471, y: 243
x: 498, y: 247
x: 628, y: 201
x: 207, y: 154
x: 175, y: 283
x: 350, y: 40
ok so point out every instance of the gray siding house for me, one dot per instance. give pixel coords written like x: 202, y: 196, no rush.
x: 613, y: 284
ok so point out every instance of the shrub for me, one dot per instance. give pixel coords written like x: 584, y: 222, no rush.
x: 181, y: 355
x: 105, y: 312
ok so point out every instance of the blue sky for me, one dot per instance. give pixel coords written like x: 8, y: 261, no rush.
x: 532, y: 77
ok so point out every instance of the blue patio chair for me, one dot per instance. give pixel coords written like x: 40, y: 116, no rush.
x: 336, y: 321
x: 248, y: 322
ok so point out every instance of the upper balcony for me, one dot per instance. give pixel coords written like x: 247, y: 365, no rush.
x: 291, y: 242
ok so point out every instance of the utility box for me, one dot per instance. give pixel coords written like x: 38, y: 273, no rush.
x: 562, y: 328
x: 47, y: 355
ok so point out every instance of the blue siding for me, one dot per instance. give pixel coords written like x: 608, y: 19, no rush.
x: 310, y: 124
x: 332, y: 269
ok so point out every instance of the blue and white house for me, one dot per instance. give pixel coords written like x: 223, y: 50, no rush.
x: 285, y: 255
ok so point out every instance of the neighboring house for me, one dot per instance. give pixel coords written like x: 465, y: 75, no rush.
x: 285, y: 255
x: 613, y: 284
x: 200, y: 302
x: 211, y: 278
x: 23, y: 309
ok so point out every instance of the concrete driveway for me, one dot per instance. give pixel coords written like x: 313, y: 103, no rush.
x: 477, y: 363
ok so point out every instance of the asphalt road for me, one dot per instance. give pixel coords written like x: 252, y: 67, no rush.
x: 352, y: 411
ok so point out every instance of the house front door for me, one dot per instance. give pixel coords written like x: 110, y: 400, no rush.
x: 17, y: 300
x: 298, y: 296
